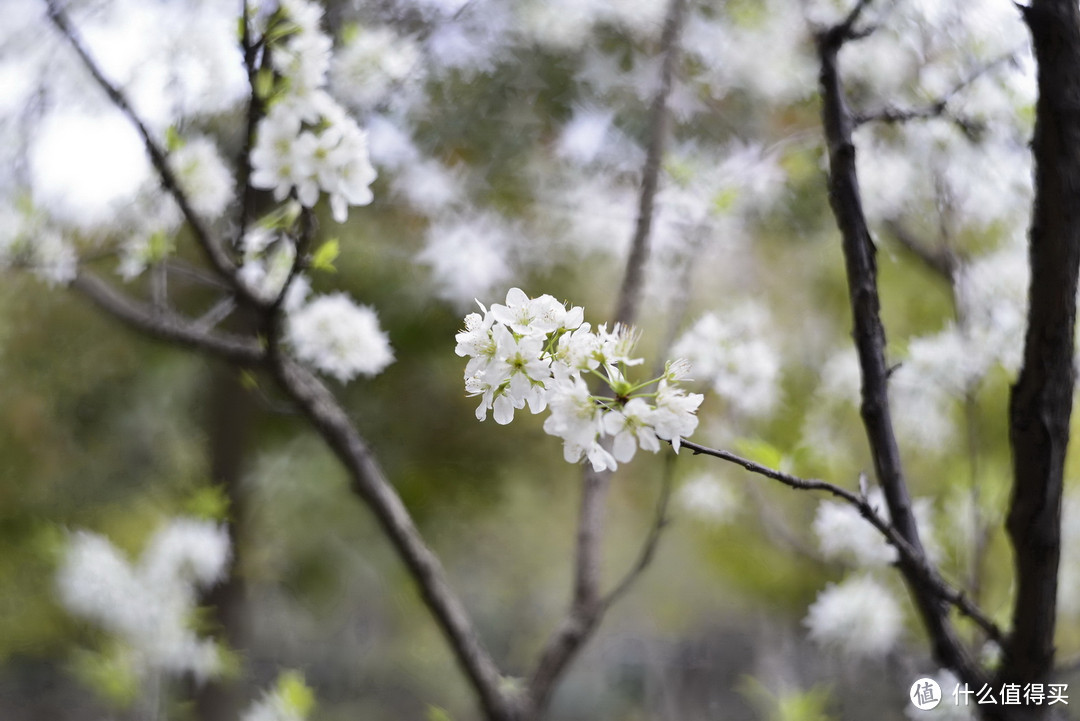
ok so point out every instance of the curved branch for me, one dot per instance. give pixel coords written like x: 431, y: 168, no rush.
x: 217, y: 256
x: 368, y: 481
x: 869, y: 335
x: 910, y: 556
x: 165, y: 325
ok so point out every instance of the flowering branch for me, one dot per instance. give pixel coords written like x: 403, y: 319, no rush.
x: 869, y: 335
x: 586, y: 605
x: 217, y: 256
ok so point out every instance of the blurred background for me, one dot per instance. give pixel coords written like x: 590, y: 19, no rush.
x: 510, y: 140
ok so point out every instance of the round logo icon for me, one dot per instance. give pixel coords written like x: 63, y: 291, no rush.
x: 925, y: 694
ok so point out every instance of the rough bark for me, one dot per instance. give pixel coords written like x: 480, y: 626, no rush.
x: 1040, y: 406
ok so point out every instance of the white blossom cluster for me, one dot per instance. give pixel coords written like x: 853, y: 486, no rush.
x: 729, y: 352
x: 339, y: 337
x: 535, y: 351
x: 307, y: 142
x: 709, y: 499
x: 859, y: 617
x: 370, y: 63
x: 845, y: 535
x: 149, y: 604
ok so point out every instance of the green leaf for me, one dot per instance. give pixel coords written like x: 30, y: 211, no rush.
x: 210, y: 503
x: 350, y: 33
x: 324, y: 257
x: 159, y: 247
x: 110, y: 674
x: 264, y: 83
x: 173, y: 141
x: 760, y: 451
x: 295, y: 694
x: 725, y: 199
x: 437, y: 713
x: 247, y: 379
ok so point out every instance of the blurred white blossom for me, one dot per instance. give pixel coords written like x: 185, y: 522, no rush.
x: 730, y: 353
x: 858, y: 617
x: 149, y: 604
x: 203, y: 176
x: 338, y: 337
x: 370, y: 63
x: 708, y: 498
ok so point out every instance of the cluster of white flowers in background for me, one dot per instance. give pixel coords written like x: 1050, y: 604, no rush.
x: 149, y: 604
x: 859, y: 617
x: 307, y: 142
x: 203, y: 176
x: 730, y: 353
x: 535, y: 351
x: 843, y: 534
x: 709, y: 499
x: 370, y: 63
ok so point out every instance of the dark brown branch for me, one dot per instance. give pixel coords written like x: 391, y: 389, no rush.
x: 912, y: 559
x: 869, y: 337
x: 939, y: 108
x: 941, y: 261
x: 369, y: 483
x: 217, y: 256
x: 1040, y: 405
x: 845, y: 30
x: 244, y: 191
x: 166, y: 325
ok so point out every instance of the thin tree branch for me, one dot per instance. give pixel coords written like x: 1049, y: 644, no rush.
x: 165, y: 325
x: 369, y: 483
x: 244, y: 191
x: 845, y: 30
x: 911, y: 557
x: 181, y: 268
x: 217, y: 256
x: 869, y: 336
x: 652, y: 541
x: 634, y: 277
x: 941, y: 261
x: 939, y: 108
x: 216, y: 314
x: 587, y: 606
x: 1040, y: 405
